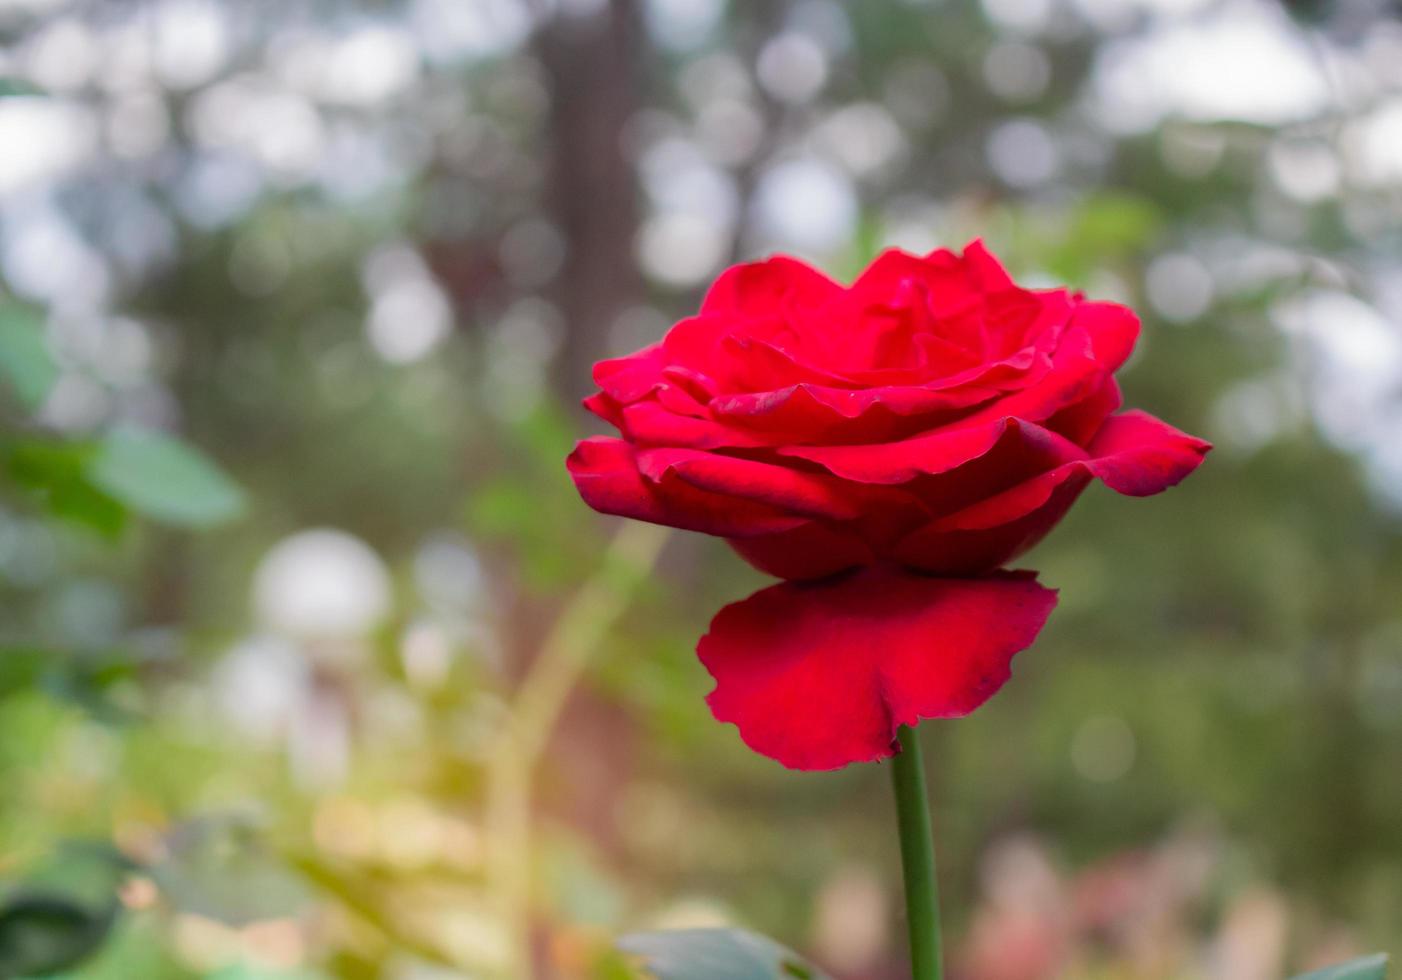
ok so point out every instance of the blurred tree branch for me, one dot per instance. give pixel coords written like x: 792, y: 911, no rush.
x: 578, y: 632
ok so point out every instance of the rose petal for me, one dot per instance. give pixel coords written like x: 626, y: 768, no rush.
x: 940, y: 451
x: 1074, y: 377
x: 820, y: 675
x: 1134, y: 454
x: 1017, y: 319
x: 814, y: 413
x: 907, y: 335
x: 1081, y: 421
x: 605, y: 472
x: 789, y: 490
x: 606, y: 407
x: 767, y: 287
x: 1138, y: 455
x: 629, y: 378
x: 811, y: 551
x: 808, y: 413
x: 984, y: 268
x: 941, y: 274
x: 1016, y: 501
x: 941, y: 550
x: 744, y: 354
x: 816, y: 410
x: 762, y: 364
x: 1113, y: 331
x: 648, y: 423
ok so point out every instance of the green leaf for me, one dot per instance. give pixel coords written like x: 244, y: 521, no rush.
x: 21, y: 668
x: 247, y: 971
x: 43, y: 934
x: 1112, y: 224
x: 12, y: 87
x: 1368, y: 968
x: 715, y: 954
x: 25, y: 360
x: 81, y: 679
x: 219, y: 866
x: 164, y: 478
x: 56, y: 473
x: 64, y: 910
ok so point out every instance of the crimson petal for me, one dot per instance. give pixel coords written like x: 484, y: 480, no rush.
x: 1134, y: 454
x: 745, y: 480
x: 1139, y: 455
x: 628, y: 378
x: 810, y: 551
x: 984, y: 268
x: 948, y: 548
x: 820, y: 675
x: 606, y: 474
x: 765, y: 286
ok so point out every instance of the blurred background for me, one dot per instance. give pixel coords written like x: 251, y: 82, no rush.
x: 313, y: 665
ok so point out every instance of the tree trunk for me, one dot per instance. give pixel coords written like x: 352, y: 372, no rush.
x: 594, y: 65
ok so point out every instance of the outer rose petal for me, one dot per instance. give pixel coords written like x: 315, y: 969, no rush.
x: 606, y: 407
x: 809, y: 552
x: 941, y: 549
x: 649, y: 423
x: 820, y: 675
x: 1081, y: 421
x: 626, y: 379
x: 940, y: 451
x: 1138, y: 455
x: 1134, y: 454
x: 605, y: 473
x: 744, y: 480
x: 1113, y: 331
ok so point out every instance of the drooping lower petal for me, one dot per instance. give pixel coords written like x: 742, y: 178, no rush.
x: 819, y: 675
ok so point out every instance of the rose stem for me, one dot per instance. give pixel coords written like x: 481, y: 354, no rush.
x: 922, y: 900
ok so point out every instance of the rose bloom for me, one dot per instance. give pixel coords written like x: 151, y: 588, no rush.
x: 885, y: 448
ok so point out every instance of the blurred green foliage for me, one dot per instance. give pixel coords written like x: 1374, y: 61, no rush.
x: 376, y: 310
x: 1368, y: 968
x: 715, y: 954
x: 24, y: 358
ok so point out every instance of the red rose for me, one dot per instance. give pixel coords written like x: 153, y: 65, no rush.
x: 925, y: 425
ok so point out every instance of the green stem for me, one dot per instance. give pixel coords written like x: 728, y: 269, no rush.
x: 922, y: 897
